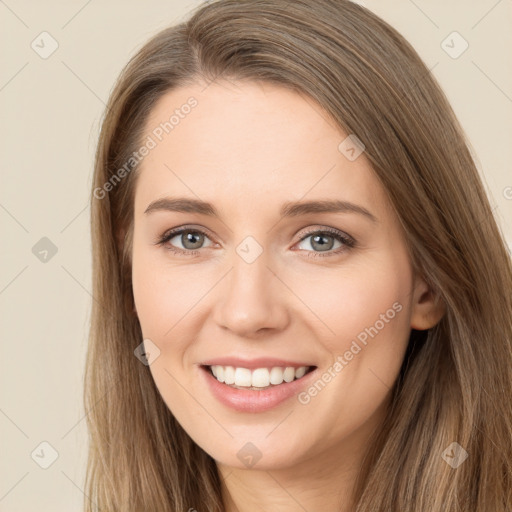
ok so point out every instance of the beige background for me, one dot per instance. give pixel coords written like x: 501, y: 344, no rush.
x: 51, y: 110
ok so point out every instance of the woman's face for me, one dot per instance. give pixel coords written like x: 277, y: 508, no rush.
x: 267, y: 279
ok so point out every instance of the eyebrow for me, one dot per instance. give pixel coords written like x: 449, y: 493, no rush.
x: 288, y: 209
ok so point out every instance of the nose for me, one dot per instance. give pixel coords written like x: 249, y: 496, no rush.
x: 253, y: 299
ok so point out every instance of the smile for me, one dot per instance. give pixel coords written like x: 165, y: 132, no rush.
x: 257, y: 390
x: 259, y: 378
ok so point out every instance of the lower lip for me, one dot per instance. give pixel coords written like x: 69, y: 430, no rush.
x: 253, y: 400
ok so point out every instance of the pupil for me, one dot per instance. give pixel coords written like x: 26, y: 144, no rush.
x: 322, y: 245
x: 189, y: 237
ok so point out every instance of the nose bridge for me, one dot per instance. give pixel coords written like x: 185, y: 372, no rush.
x: 251, y: 299
x: 250, y: 272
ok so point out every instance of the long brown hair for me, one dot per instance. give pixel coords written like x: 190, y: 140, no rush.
x: 456, y: 378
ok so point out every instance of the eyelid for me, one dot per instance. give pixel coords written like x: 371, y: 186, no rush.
x: 325, y: 229
x: 185, y: 227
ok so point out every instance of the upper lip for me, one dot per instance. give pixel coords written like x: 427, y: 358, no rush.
x: 252, y: 364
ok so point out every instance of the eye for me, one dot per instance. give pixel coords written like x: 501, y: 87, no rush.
x: 191, y: 240
x: 322, y: 241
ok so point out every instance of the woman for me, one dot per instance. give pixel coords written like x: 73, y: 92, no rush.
x: 303, y: 301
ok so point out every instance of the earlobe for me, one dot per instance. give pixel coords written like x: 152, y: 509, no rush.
x: 427, y: 307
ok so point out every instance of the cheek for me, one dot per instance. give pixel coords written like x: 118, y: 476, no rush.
x: 355, y: 298
x: 164, y: 298
x: 365, y: 314
x: 152, y: 299
x: 373, y: 304
x: 172, y: 302
x: 163, y: 293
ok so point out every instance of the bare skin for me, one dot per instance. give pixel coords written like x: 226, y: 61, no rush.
x: 248, y: 148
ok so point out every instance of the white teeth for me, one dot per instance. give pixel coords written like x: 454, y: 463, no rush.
x: 243, y: 377
x: 229, y: 375
x: 258, y: 378
x: 289, y: 374
x: 300, y: 372
x: 276, y: 375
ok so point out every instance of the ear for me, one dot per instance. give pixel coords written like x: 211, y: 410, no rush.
x: 427, y: 307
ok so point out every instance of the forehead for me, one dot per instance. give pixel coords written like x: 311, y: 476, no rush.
x: 247, y: 144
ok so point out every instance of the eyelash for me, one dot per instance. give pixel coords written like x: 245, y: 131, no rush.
x: 347, y: 241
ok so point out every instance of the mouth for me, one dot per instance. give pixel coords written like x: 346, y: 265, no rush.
x: 257, y: 379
